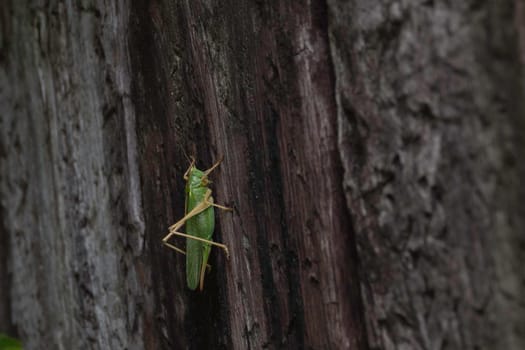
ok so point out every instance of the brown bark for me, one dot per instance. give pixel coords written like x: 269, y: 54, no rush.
x: 291, y: 279
x: 371, y: 153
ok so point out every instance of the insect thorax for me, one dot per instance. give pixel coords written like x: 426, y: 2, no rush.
x: 196, y: 179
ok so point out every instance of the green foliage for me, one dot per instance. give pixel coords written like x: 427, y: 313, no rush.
x: 8, y: 343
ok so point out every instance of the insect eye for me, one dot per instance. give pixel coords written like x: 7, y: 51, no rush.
x: 204, y: 181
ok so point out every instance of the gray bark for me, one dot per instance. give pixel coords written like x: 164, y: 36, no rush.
x: 431, y: 130
x: 70, y: 191
x: 371, y: 153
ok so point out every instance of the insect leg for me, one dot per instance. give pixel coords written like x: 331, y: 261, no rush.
x: 182, y: 252
x: 174, y: 247
x: 189, y: 168
x: 220, y: 245
x: 201, y: 282
x: 207, y: 172
x: 197, y: 210
x: 220, y: 206
x: 209, y: 200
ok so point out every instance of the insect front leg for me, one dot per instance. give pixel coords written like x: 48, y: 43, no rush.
x: 207, y: 172
x: 209, y: 200
x: 220, y: 206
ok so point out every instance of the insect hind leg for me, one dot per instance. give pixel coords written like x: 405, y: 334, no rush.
x: 220, y: 245
x: 208, y: 266
x: 205, y: 204
x: 174, y: 247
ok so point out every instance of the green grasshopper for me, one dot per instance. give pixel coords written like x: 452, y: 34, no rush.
x: 199, y: 217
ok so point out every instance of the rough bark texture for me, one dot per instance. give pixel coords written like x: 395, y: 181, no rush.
x: 70, y: 196
x: 431, y: 131
x: 243, y: 84
x: 371, y: 153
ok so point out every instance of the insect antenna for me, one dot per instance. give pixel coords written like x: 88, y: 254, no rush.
x: 190, y: 159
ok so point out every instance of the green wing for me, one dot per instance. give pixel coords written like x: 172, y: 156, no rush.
x: 197, y: 253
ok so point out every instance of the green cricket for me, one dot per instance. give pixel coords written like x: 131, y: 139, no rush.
x: 199, y: 218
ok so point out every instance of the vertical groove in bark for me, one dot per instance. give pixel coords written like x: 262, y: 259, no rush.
x: 160, y: 122
x: 505, y: 65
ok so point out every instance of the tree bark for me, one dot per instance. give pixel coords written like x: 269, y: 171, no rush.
x: 371, y: 155
x: 70, y: 188
x: 431, y: 124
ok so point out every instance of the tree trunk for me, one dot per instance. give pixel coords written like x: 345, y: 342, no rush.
x: 371, y: 155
